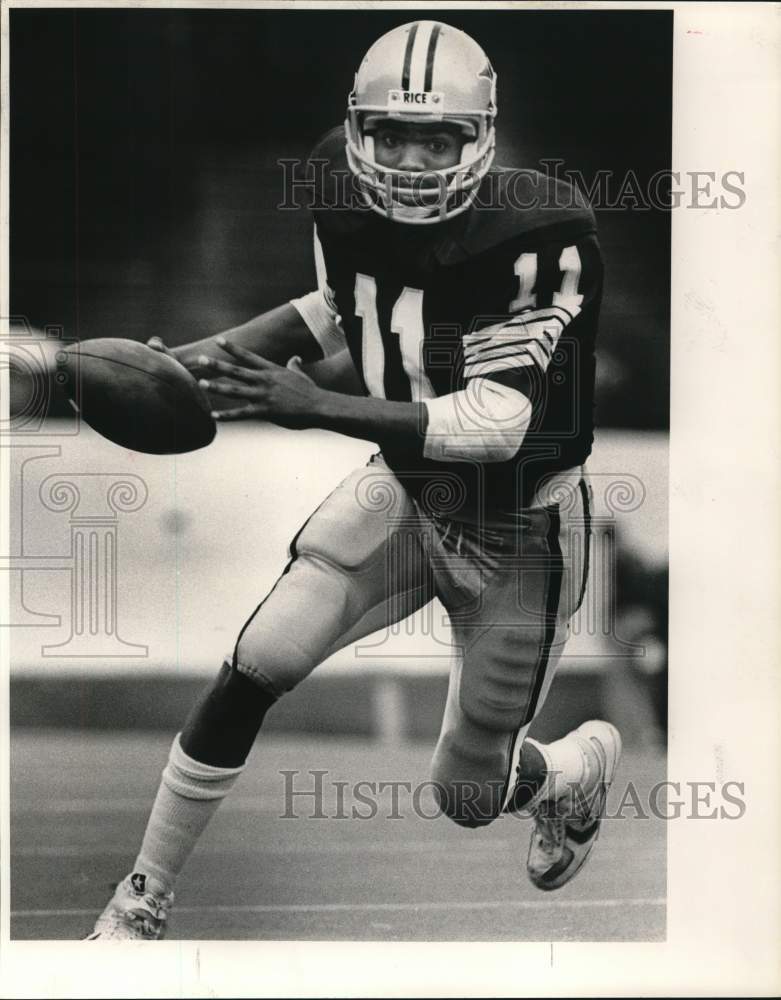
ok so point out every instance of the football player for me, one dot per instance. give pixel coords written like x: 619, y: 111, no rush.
x: 454, y: 324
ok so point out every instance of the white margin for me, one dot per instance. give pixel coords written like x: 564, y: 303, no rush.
x: 724, y: 901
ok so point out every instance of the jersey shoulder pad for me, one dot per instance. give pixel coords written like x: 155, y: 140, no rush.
x: 335, y: 192
x: 331, y: 148
x: 524, y: 204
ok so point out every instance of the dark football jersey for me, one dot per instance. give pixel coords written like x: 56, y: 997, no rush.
x: 509, y: 291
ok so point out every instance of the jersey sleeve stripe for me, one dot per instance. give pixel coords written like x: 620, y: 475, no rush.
x: 505, y: 343
x: 503, y: 364
x: 558, y: 311
x: 544, y: 316
x: 324, y: 324
x: 322, y: 276
x: 530, y: 346
x: 542, y: 337
x: 318, y: 308
x: 534, y: 324
x: 539, y: 354
x: 534, y: 350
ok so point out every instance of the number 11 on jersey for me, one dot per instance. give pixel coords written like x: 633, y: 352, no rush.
x: 407, y: 324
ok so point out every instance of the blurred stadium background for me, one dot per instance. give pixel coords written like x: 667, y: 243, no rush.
x: 144, y: 186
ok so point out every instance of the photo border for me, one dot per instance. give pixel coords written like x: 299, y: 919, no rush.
x: 724, y: 920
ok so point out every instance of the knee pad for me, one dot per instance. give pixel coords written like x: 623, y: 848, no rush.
x: 503, y: 693
x: 499, y: 711
x: 239, y: 684
x: 270, y: 660
x: 291, y: 631
x: 345, y: 531
x: 468, y: 780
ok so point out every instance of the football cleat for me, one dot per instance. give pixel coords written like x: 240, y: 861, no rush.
x: 138, y: 911
x: 567, y: 828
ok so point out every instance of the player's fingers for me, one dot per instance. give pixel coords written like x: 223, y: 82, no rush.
x: 295, y: 364
x: 238, y: 413
x: 223, y: 388
x: 250, y: 376
x: 247, y: 358
x: 157, y: 345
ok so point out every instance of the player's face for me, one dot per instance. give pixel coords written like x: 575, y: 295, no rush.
x: 403, y: 146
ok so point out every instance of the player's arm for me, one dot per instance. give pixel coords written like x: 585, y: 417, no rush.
x: 486, y: 421
x: 478, y: 423
x: 506, y: 358
x: 337, y: 373
x: 287, y: 396
x: 277, y: 334
x: 505, y: 366
x: 307, y: 327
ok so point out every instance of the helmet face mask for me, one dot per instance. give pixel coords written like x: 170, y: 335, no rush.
x: 423, y: 73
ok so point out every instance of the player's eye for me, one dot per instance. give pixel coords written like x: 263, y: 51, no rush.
x: 437, y: 146
x: 389, y: 141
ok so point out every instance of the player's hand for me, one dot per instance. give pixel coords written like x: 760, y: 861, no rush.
x: 186, y: 357
x: 283, y: 395
x: 157, y: 344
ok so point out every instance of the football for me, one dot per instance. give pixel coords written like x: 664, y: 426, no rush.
x: 139, y: 398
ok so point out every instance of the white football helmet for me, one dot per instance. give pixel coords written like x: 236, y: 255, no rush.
x: 422, y: 72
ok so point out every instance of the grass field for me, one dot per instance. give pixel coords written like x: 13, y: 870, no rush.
x: 80, y: 803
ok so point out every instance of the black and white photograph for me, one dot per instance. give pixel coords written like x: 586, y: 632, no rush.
x: 340, y: 539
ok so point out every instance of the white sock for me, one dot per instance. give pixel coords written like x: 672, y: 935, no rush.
x: 569, y: 762
x: 188, y: 796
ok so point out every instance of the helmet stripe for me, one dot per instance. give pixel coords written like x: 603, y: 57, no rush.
x: 432, y: 48
x: 418, y: 65
x: 408, y: 56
